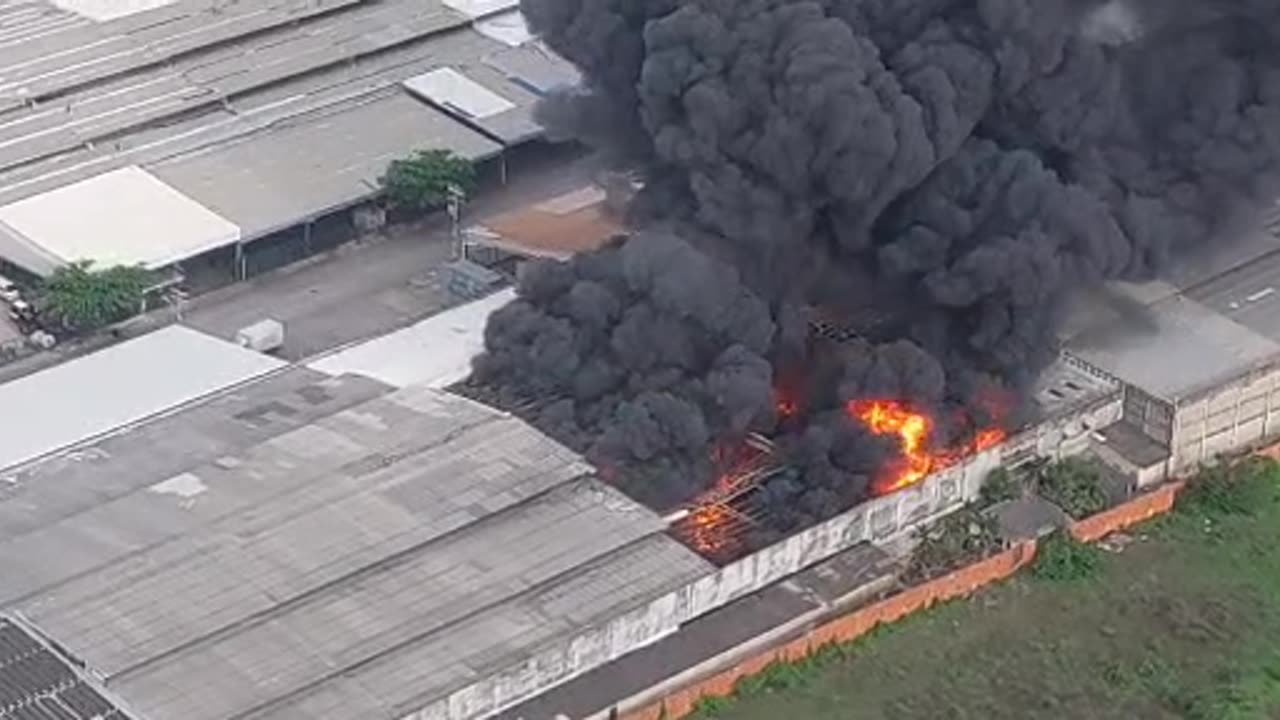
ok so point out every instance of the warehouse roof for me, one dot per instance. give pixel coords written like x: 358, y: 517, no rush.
x: 436, y: 352
x: 123, y: 217
x: 98, y: 393
x: 38, y: 682
x: 321, y: 548
x: 269, y: 179
x: 190, y: 90
x: 1217, y: 317
x: 1065, y: 387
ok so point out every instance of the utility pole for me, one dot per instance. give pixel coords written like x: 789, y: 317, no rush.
x: 457, y: 197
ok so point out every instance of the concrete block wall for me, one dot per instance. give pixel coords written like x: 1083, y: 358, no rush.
x: 877, y: 520
x: 1234, y: 416
x: 1064, y: 435
x: 880, y: 519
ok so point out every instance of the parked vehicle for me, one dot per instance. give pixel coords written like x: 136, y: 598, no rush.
x: 8, y: 290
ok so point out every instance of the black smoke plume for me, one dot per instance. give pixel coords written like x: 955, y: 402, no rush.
x: 934, y: 174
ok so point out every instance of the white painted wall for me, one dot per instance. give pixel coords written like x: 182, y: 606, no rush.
x: 880, y: 520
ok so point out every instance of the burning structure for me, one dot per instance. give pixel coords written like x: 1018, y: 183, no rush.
x: 859, y: 223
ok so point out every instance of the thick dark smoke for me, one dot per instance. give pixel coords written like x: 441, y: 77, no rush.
x: 936, y: 174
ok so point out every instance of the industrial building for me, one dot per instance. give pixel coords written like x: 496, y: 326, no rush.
x: 1197, y: 356
x: 336, y: 540
x: 228, y: 135
x: 347, y: 538
x: 299, y: 545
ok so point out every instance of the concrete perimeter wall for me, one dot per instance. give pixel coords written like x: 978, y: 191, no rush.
x: 857, y: 623
x: 1226, y: 419
x: 877, y: 520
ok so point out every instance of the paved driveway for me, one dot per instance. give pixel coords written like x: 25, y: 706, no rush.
x: 8, y: 331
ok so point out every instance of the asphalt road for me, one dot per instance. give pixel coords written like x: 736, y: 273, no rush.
x: 377, y: 285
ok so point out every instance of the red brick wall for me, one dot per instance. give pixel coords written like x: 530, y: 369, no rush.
x: 1271, y: 451
x: 957, y: 584
x: 846, y: 628
x: 1127, y: 514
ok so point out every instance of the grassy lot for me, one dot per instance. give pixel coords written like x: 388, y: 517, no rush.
x: 1182, y: 623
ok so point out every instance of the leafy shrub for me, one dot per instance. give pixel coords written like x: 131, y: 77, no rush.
x: 424, y: 180
x: 1073, y: 484
x: 1000, y: 485
x: 82, y: 298
x: 1062, y: 558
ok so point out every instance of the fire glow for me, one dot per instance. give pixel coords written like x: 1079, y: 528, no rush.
x: 914, y: 430
x: 712, y: 523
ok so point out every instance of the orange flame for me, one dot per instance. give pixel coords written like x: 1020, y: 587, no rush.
x: 914, y: 431
x: 706, y: 529
x: 709, y: 527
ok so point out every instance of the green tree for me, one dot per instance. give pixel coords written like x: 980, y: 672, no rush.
x: 82, y: 298
x: 423, y: 180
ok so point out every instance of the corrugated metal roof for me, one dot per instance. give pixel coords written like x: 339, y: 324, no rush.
x: 447, y: 88
x: 191, y: 80
x: 38, y: 683
x: 102, y: 10
x: 351, y: 563
x: 275, y: 177
x: 83, y: 398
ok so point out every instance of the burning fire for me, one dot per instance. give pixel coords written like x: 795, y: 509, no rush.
x: 711, y: 526
x: 914, y: 431
x: 706, y: 528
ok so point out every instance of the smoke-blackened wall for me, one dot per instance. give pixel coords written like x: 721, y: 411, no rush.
x: 949, y: 169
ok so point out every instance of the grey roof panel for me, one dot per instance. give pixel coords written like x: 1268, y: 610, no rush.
x: 353, y: 561
x: 301, y: 170
x: 1177, y: 348
x: 423, y: 590
x: 313, y: 537
x: 253, y: 80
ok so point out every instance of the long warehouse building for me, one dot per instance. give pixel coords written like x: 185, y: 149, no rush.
x: 194, y: 128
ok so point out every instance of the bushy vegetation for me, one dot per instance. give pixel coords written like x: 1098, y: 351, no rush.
x: 1073, y: 484
x: 963, y: 537
x: 1239, y: 489
x: 999, y: 486
x: 424, y: 180
x: 1062, y: 558
x: 80, y: 297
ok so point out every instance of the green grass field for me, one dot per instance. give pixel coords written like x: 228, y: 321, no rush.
x: 1184, y: 622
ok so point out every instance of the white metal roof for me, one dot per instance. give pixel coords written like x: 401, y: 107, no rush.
x: 509, y: 28
x: 449, y: 89
x: 113, y: 388
x: 123, y: 217
x: 102, y: 10
x: 476, y: 9
x: 436, y: 352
